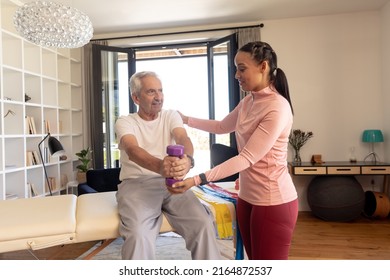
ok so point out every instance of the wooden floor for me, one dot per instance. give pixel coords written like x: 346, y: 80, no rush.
x: 362, y: 239
x: 66, y: 252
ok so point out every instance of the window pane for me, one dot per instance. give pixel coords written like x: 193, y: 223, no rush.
x: 114, y: 95
x: 185, y: 89
x: 221, y: 93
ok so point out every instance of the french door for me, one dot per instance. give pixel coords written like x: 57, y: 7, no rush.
x: 114, y: 66
x: 223, y: 93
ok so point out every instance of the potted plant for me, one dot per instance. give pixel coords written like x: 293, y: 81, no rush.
x: 297, y: 139
x: 84, y: 156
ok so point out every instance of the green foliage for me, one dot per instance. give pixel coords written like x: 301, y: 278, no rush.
x: 84, y: 157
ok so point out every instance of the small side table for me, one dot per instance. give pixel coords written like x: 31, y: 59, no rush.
x: 333, y: 168
x: 71, y: 187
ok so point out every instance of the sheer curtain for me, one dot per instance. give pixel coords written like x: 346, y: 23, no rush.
x: 246, y: 35
x: 88, y: 89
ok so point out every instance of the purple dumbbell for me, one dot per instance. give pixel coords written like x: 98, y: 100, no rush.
x: 174, y: 151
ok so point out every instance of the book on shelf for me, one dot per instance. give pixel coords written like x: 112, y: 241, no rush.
x: 30, y: 190
x: 36, y: 157
x: 29, y: 158
x: 53, y: 184
x: 46, y: 155
x: 30, y: 125
x: 33, y: 190
x: 47, y: 126
x: 27, y: 125
x: 32, y: 158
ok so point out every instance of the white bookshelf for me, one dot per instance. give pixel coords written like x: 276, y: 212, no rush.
x: 53, y: 79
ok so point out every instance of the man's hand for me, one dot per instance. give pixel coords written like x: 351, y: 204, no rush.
x: 180, y: 167
x: 166, y: 166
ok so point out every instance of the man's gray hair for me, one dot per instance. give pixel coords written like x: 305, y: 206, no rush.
x: 135, y: 81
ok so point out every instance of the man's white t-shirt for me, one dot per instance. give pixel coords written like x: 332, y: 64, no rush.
x: 153, y: 136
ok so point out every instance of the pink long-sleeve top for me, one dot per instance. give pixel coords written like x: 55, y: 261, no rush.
x: 262, y: 122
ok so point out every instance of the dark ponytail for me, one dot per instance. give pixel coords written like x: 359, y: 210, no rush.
x: 261, y: 51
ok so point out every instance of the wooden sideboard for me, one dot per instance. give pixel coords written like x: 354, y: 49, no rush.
x: 334, y: 168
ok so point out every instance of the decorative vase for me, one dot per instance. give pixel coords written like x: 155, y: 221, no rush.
x: 81, y: 177
x: 297, y: 156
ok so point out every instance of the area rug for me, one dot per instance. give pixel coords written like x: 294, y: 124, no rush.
x: 169, y: 246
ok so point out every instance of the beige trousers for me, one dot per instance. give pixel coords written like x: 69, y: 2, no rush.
x: 141, y: 203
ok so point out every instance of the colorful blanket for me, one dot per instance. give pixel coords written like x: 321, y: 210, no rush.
x: 214, y: 191
x: 223, y: 219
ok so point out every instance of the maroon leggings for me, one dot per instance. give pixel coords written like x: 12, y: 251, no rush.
x: 267, y: 230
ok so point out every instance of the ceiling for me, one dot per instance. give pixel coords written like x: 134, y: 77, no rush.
x: 113, y: 18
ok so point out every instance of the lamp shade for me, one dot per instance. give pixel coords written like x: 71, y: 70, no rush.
x: 372, y: 136
x: 55, y: 147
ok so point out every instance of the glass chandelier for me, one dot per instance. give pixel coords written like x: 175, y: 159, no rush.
x: 51, y: 24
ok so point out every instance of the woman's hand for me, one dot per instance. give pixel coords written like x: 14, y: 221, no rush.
x: 183, y: 117
x: 181, y: 186
x: 237, y: 184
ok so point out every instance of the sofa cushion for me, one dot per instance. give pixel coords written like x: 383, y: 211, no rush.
x: 103, y: 180
x: 37, y: 222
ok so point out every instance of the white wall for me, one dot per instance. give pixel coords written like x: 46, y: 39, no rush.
x: 334, y: 65
x: 385, y: 56
x: 338, y: 71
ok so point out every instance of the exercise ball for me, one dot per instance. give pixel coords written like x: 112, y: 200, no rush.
x: 336, y: 198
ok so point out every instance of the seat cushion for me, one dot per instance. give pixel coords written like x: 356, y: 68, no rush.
x: 97, y: 217
x: 37, y: 222
x: 103, y: 180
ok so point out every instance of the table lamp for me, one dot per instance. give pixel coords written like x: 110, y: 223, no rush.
x: 372, y: 136
x: 55, y: 149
